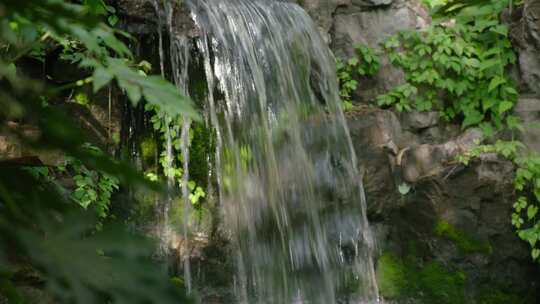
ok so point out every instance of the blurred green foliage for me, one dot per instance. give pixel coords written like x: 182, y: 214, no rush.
x: 39, y: 227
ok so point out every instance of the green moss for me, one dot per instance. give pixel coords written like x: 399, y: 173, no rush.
x: 148, y: 148
x: 498, y: 296
x: 115, y: 137
x: 391, y: 276
x: 410, y: 278
x: 428, y: 283
x: 465, y: 243
x: 200, y: 151
x: 440, y: 286
x: 178, y: 282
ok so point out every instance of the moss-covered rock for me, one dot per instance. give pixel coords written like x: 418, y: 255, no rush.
x: 439, y: 285
x: 426, y: 282
x: 148, y: 146
x: 465, y: 243
x: 391, y: 276
x: 492, y: 295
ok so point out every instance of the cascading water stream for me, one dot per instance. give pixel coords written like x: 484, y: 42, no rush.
x: 289, y: 187
x: 179, y: 51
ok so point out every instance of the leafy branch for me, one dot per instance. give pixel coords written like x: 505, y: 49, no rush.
x: 458, y: 69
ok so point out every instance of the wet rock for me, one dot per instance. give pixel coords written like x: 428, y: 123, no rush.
x: 321, y: 11
x: 528, y: 110
x: 439, y: 133
x: 141, y: 17
x: 455, y: 216
x: 376, y: 134
x: 479, y: 240
x: 140, y: 9
x: 525, y: 33
x: 371, y: 3
x: 426, y: 160
x: 416, y: 121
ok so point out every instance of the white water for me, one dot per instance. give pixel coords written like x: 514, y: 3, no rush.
x: 289, y: 187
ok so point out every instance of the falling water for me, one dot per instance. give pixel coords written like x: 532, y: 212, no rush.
x: 179, y: 59
x: 290, y: 190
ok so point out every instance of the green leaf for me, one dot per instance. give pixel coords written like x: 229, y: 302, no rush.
x: 495, y: 82
x: 505, y: 105
x: 472, y: 118
x: 353, y: 61
x: 484, y: 65
x: 532, y: 211
x: 487, y: 129
x: 133, y: 91
x: 113, y: 20
x: 510, y: 90
x: 500, y: 29
x: 514, y: 122
x: 101, y: 77
x: 535, y: 253
x: 472, y: 62
x: 404, y: 188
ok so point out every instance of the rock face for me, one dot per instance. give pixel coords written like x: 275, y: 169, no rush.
x: 140, y: 17
x: 528, y: 110
x: 14, y: 151
x: 453, y: 216
x: 348, y: 22
x: 525, y: 32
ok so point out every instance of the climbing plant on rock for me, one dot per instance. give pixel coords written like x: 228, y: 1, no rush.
x: 169, y: 128
x: 525, y: 215
x: 366, y: 62
x: 458, y: 67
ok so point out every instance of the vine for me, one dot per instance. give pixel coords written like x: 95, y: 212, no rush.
x: 458, y: 68
x: 166, y: 126
x: 93, y: 188
x: 366, y: 62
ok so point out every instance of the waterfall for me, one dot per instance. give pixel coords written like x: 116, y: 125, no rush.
x: 179, y: 52
x: 289, y: 186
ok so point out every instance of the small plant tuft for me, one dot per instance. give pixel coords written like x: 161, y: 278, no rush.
x: 365, y: 63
